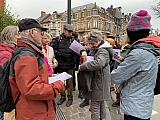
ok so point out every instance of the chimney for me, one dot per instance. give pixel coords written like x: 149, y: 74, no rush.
x: 120, y: 8
x: 42, y: 13
x: 111, y: 7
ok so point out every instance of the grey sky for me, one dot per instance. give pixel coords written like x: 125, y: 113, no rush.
x: 32, y: 8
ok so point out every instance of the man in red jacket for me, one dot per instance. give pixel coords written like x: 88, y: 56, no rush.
x: 29, y: 76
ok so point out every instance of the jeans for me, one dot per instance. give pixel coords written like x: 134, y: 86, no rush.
x: 1, y: 115
x: 128, y: 117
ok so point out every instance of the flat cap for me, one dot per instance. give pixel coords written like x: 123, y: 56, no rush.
x: 68, y: 27
x: 29, y: 23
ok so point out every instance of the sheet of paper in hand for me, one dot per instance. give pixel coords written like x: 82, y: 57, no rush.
x: 89, y: 58
x: 116, y: 53
x: 62, y: 76
x: 76, y: 46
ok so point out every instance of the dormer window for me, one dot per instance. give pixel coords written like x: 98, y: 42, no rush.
x: 82, y: 14
x: 94, y: 12
x: 89, y: 13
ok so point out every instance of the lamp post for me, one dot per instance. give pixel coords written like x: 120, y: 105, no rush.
x: 69, y: 12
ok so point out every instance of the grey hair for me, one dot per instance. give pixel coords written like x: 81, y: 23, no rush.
x: 25, y: 33
x: 95, y: 36
x: 8, y: 34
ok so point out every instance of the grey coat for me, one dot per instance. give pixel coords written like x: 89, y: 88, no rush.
x: 138, y: 73
x: 100, y: 69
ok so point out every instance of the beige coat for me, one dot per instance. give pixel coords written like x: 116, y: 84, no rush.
x: 9, y: 115
x: 50, y: 55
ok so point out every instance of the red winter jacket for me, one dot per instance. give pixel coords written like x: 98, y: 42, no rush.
x: 5, y: 52
x: 29, y: 77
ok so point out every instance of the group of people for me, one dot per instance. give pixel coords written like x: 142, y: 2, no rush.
x: 134, y: 77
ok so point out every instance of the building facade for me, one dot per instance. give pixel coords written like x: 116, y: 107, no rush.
x: 110, y: 21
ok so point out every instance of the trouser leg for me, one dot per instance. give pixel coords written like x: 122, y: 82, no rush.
x: 102, y: 110
x: 95, y: 110
x: 70, y: 84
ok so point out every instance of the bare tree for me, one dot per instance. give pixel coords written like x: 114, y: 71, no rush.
x: 156, y: 9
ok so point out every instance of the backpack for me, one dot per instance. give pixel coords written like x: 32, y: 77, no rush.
x: 157, y: 87
x: 6, y: 101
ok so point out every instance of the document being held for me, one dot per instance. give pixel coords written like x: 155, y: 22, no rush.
x: 62, y: 76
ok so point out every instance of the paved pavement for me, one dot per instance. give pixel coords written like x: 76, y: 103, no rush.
x: 74, y: 112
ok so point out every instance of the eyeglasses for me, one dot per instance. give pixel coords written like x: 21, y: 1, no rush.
x: 42, y: 33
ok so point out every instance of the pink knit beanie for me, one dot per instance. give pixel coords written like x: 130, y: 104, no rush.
x: 139, y: 20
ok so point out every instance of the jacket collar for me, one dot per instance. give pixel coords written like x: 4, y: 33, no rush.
x: 24, y: 42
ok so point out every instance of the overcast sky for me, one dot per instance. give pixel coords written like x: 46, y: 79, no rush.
x: 33, y: 8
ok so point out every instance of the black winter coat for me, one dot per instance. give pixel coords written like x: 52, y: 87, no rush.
x: 64, y: 55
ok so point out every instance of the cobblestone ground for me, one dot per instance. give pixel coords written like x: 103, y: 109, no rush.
x: 74, y: 112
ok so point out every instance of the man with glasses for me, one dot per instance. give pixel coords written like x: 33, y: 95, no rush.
x: 65, y: 58
x: 29, y: 76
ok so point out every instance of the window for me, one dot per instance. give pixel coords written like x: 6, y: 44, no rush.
x: 94, y: 12
x: 76, y: 26
x: 58, y: 24
x: 82, y: 25
x: 89, y: 13
x: 82, y: 14
x: 99, y: 25
x: 88, y: 25
x: 95, y: 24
x: 66, y: 17
x: 76, y: 16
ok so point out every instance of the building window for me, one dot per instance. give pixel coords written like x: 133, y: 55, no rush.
x: 82, y: 25
x: 89, y: 13
x: 76, y: 26
x: 99, y: 25
x: 76, y: 16
x: 82, y: 14
x: 58, y: 24
x: 94, y: 12
x: 95, y: 24
x: 88, y: 24
x: 66, y: 17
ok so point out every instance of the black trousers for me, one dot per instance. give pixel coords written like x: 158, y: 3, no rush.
x: 128, y: 117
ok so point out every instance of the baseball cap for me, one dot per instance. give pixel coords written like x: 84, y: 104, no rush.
x: 68, y: 27
x: 29, y: 23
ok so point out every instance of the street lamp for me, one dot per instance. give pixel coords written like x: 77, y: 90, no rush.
x: 69, y: 12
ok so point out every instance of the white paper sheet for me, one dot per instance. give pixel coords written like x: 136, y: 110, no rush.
x: 116, y: 53
x: 62, y: 76
x: 89, y: 58
x: 76, y: 46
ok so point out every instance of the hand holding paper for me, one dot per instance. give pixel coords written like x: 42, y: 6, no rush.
x: 76, y: 46
x: 62, y: 76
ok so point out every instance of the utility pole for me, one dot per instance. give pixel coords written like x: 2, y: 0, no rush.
x: 69, y: 12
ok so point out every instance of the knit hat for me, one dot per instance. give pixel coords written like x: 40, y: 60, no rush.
x: 139, y: 21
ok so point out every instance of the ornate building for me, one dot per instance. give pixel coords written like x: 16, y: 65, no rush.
x: 110, y: 21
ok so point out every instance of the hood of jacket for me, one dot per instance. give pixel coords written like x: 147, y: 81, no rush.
x: 5, y: 47
x: 150, y: 43
x: 108, y: 47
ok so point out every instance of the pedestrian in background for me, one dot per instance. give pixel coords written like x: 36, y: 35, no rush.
x: 48, y: 50
x: 137, y: 73
x: 29, y: 76
x: 100, y: 82
x: 8, y: 42
x: 65, y: 57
